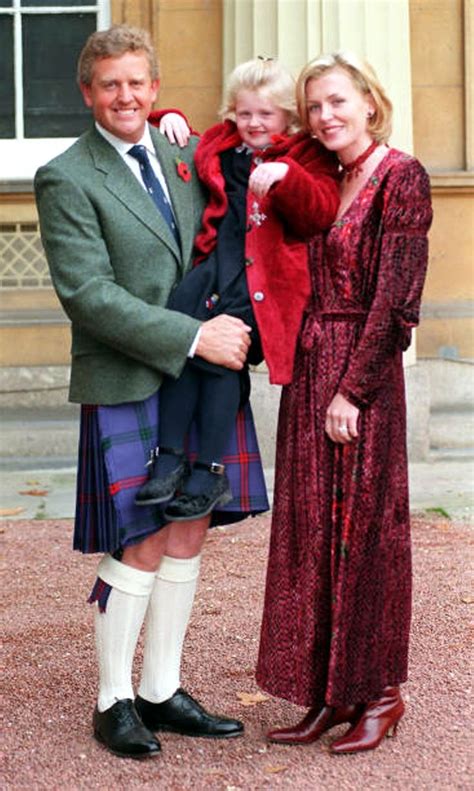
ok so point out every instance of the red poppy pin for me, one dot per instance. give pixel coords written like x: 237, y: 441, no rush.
x: 182, y: 169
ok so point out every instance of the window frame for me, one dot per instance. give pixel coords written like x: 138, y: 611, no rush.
x: 22, y: 156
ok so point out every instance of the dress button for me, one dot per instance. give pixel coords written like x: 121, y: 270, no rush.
x: 258, y: 160
x: 259, y: 296
x: 248, y: 261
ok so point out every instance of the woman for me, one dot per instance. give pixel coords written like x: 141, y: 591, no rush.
x: 338, y: 596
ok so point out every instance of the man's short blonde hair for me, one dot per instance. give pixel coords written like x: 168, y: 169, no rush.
x: 365, y: 80
x: 112, y: 43
x: 271, y: 79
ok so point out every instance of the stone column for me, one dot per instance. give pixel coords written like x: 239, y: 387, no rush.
x: 297, y: 30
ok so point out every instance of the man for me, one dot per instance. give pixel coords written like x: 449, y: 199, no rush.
x: 115, y: 253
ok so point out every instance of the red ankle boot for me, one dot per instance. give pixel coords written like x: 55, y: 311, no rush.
x: 379, y: 718
x: 314, y: 724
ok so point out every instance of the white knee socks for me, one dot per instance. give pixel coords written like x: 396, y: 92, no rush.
x: 167, y: 619
x: 118, y: 628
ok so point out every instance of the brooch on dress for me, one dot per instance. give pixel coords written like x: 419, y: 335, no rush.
x: 257, y: 216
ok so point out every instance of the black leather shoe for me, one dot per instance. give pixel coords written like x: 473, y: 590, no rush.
x: 123, y: 733
x: 160, y: 488
x: 194, y: 506
x: 182, y: 714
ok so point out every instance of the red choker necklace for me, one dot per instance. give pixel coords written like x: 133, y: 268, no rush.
x: 355, y: 167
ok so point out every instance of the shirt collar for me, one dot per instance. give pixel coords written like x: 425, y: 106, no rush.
x: 123, y: 146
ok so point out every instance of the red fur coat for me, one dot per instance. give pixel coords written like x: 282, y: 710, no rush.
x: 279, y: 226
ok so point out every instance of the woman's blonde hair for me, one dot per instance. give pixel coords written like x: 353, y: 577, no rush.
x: 379, y: 126
x: 267, y: 76
x: 113, y: 43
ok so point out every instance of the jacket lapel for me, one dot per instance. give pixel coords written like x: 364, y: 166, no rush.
x: 181, y: 192
x: 125, y: 187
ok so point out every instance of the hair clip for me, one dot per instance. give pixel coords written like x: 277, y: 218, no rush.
x: 264, y: 58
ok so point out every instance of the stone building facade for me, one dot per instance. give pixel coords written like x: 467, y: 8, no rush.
x: 423, y: 51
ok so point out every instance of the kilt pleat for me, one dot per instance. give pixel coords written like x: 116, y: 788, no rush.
x: 96, y: 526
x: 114, y: 447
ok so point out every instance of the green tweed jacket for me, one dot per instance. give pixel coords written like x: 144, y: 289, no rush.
x: 114, y: 262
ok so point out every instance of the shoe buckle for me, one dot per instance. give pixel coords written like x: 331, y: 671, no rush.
x: 153, y: 455
x: 217, y: 469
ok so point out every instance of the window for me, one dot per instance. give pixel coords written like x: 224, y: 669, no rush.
x: 41, y: 108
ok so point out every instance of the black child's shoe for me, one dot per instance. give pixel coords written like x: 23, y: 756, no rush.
x: 123, y: 732
x: 182, y: 714
x: 160, y: 487
x: 187, y: 506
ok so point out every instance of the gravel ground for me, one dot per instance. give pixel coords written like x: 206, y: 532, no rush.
x: 50, y: 677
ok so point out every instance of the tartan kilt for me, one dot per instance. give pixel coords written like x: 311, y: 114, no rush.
x: 114, y: 447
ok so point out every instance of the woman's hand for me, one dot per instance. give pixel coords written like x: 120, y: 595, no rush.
x: 175, y: 128
x: 265, y: 176
x: 341, y: 420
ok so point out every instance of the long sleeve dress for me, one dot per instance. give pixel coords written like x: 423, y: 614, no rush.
x: 338, y: 594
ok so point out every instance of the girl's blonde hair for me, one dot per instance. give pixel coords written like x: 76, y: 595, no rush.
x: 365, y: 80
x: 267, y: 76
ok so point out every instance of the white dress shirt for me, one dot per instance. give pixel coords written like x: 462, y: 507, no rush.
x: 122, y: 147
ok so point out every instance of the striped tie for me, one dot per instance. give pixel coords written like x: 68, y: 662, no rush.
x: 154, y: 188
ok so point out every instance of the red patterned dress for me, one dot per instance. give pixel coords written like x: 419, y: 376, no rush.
x: 338, y: 595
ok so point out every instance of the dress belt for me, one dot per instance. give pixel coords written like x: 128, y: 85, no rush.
x: 312, y: 324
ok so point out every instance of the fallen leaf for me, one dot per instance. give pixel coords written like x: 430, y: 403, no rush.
x: 251, y: 698
x: 213, y: 611
x: 274, y: 769
x: 11, y: 511
x: 35, y: 492
x: 467, y: 599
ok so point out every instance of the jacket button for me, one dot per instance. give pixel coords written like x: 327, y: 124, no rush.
x: 259, y: 296
x: 258, y: 160
x: 248, y: 261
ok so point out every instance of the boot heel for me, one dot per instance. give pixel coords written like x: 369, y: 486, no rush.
x: 380, y: 718
x: 392, y: 731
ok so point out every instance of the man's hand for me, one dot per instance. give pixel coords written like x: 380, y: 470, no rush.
x: 225, y: 341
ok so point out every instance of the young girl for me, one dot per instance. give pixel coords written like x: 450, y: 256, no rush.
x: 252, y: 258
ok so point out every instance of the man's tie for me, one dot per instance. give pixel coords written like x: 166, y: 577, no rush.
x: 154, y: 188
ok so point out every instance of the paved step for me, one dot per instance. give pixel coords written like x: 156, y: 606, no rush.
x: 451, y: 454
x: 452, y: 429
x: 37, y: 422
x: 451, y: 383
x: 39, y: 433
x: 30, y: 430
